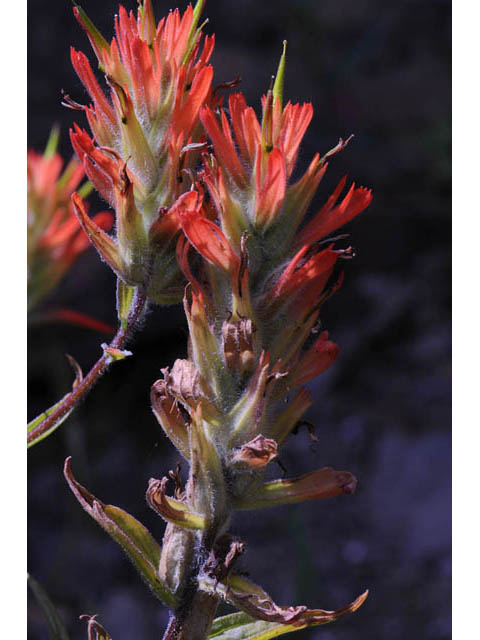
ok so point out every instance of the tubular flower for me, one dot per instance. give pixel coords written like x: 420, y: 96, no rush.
x: 54, y: 236
x: 146, y: 136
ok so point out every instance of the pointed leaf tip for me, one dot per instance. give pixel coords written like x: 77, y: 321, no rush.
x: 261, y: 627
x: 52, y: 142
x: 97, y: 41
x: 280, y: 77
x: 134, y: 538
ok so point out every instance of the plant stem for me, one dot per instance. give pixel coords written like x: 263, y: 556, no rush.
x: 194, y: 623
x: 99, y: 368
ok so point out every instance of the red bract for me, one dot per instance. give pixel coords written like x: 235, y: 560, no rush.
x: 332, y: 216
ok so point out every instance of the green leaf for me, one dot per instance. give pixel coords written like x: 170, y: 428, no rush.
x: 240, y: 626
x: 52, y: 142
x: 194, y: 32
x: 97, y: 41
x: 261, y: 618
x: 124, y: 301
x: 279, y: 78
x: 43, y: 416
x: 134, y: 538
x: 323, y: 483
x: 46, y: 414
x: 56, y: 628
x: 85, y: 190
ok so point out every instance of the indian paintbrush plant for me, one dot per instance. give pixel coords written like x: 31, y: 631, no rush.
x: 207, y: 212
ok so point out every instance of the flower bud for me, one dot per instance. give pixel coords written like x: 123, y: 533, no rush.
x: 256, y: 453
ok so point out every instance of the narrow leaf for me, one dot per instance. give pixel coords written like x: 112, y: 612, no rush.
x: 240, y: 626
x: 124, y: 301
x: 46, y: 414
x: 52, y: 142
x: 194, y: 32
x: 323, y: 483
x: 135, y: 539
x: 56, y: 628
x: 279, y: 78
x: 43, y: 416
x: 97, y: 41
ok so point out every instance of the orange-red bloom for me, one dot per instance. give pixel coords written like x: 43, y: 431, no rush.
x: 255, y: 162
x: 55, y: 238
x: 145, y: 134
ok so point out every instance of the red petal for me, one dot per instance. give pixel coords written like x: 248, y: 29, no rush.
x: 85, y: 73
x: 271, y: 193
x: 223, y: 144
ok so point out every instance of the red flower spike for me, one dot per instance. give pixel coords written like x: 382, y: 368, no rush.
x: 266, y: 157
x: 159, y: 78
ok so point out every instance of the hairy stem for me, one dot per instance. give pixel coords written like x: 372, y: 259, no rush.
x: 194, y: 622
x: 99, y: 368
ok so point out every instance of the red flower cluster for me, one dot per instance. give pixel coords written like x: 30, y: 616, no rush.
x: 146, y: 136
x: 54, y: 236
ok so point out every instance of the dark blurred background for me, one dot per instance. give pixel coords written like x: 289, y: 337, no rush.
x: 380, y: 70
